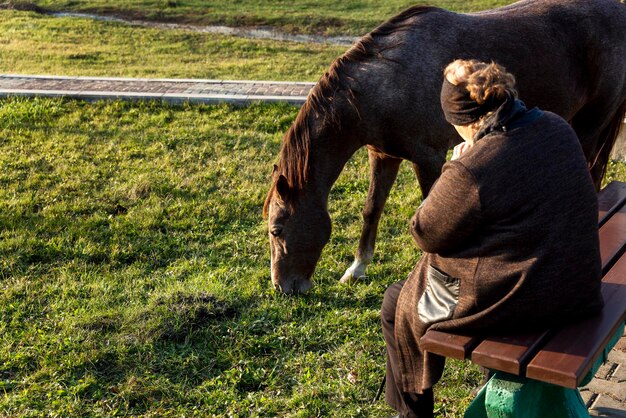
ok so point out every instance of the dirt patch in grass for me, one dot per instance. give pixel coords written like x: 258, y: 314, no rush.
x: 104, y: 323
x: 23, y: 6
x: 176, y: 317
x: 202, y: 305
x: 125, y: 14
x: 155, y: 15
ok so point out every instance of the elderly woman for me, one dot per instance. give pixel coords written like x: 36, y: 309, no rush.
x: 496, y: 230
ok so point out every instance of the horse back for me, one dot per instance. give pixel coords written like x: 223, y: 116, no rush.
x: 565, y: 54
x: 575, y: 49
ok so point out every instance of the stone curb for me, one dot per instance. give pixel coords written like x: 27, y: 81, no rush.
x: 94, y: 96
x: 156, y: 80
x: 172, y: 91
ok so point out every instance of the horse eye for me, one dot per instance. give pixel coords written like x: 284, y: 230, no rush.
x: 276, y: 230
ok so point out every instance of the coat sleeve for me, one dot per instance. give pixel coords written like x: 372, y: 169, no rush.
x: 451, y: 213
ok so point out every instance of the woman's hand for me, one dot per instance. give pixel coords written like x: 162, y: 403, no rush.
x: 460, y: 149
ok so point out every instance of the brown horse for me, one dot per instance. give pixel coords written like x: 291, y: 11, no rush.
x: 569, y: 57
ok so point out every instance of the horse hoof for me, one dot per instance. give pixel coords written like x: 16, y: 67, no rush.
x: 355, y: 272
x: 348, y: 278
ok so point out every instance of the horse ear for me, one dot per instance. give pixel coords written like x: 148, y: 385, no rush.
x: 282, y: 187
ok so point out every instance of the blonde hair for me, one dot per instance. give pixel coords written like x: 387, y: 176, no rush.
x: 484, y: 81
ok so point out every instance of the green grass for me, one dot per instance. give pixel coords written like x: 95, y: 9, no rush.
x: 38, y: 44
x: 134, y: 273
x: 134, y: 269
x: 354, y: 17
x: 616, y: 172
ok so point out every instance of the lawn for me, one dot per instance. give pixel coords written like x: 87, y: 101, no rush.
x: 354, y: 17
x: 134, y: 270
x: 31, y: 43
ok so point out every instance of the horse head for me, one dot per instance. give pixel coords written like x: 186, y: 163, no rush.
x: 298, y: 229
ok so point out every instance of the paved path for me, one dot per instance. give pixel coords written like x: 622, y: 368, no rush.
x: 605, y: 395
x: 173, y: 91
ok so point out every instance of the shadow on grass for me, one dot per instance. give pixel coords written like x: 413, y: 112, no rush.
x: 174, y: 342
x: 195, y: 339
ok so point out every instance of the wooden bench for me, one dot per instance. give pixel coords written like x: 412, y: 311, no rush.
x: 537, y: 374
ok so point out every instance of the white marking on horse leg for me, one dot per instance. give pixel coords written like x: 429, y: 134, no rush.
x: 356, y: 270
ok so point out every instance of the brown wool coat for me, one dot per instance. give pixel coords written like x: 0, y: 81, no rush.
x: 515, y: 219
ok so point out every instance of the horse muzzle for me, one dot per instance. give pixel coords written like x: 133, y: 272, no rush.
x: 292, y: 286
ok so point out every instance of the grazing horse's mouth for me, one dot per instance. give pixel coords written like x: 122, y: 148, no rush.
x: 293, y: 286
x: 286, y: 280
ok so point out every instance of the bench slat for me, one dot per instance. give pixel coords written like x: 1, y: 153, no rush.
x: 448, y: 345
x: 569, y: 355
x: 610, y: 199
x: 613, y: 238
x: 511, y: 353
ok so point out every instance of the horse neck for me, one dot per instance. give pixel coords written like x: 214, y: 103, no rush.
x: 328, y: 158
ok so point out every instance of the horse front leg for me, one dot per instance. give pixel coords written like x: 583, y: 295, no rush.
x: 383, y: 172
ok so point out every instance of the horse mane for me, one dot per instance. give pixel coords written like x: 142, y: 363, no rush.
x: 322, y: 102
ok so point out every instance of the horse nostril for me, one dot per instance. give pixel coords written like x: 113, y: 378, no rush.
x: 277, y: 287
x: 304, y: 286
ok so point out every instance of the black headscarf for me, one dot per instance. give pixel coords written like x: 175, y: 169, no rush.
x: 461, y: 110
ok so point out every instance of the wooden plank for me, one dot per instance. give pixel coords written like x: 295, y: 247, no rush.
x: 613, y: 238
x: 610, y: 199
x: 448, y: 345
x: 569, y: 355
x: 509, y: 353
